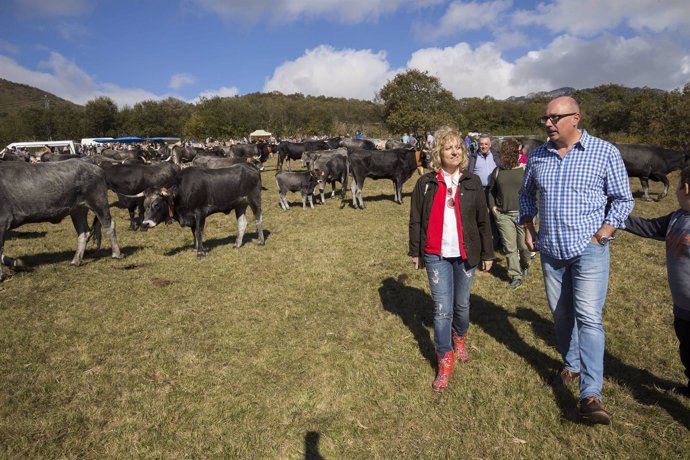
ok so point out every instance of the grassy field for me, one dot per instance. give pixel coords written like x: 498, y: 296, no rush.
x: 318, y: 344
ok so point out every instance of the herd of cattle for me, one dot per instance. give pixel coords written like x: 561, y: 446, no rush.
x: 188, y: 184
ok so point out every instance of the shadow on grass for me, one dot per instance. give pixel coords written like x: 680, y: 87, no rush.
x: 216, y: 242
x: 641, y: 383
x: 495, y: 321
x: 24, y: 235
x: 499, y: 271
x: 416, y: 310
x: 311, y: 446
x: 48, y: 258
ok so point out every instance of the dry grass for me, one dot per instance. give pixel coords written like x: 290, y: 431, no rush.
x: 319, y: 343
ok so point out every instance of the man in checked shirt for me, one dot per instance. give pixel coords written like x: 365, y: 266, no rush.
x: 574, y: 175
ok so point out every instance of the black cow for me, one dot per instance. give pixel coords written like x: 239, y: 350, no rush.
x: 201, y: 192
x: 203, y: 161
x: 652, y: 162
x: 333, y: 142
x: 259, y: 151
x: 302, y: 181
x: 294, y: 150
x: 331, y: 167
x: 130, y: 182
x: 396, y: 165
x: 10, y: 156
x: 49, y: 192
x: 138, y: 154
x: 365, y: 144
x: 184, y: 154
x: 59, y: 157
x: 393, y: 144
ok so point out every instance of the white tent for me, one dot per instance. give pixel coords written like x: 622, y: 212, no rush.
x: 259, y: 133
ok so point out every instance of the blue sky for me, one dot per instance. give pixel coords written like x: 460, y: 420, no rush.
x: 151, y: 49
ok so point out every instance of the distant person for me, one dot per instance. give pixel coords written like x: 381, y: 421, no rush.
x: 405, y: 138
x: 429, y: 139
x: 467, y: 141
x: 450, y: 236
x: 522, y: 156
x: 674, y: 228
x: 504, y: 186
x: 483, y: 162
x: 412, y: 140
x: 584, y: 196
x: 359, y: 135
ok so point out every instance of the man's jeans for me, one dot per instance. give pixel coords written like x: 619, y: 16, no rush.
x: 576, y: 291
x: 450, y: 281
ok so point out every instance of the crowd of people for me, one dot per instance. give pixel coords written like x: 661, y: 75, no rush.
x: 578, y: 187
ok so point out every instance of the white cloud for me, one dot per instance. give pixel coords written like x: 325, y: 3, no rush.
x: 570, y: 61
x: 66, y: 80
x: 471, y: 73
x: 330, y: 72
x: 589, y: 17
x: 461, y: 17
x: 566, y: 61
x: 352, y: 11
x: 179, y: 80
x: 51, y: 7
x: 223, y: 91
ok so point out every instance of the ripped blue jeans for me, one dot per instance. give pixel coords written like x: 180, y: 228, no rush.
x: 450, y: 281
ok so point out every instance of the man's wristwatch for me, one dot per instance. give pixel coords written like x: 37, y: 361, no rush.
x: 604, y: 240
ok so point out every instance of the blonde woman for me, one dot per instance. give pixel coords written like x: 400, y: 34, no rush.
x: 450, y: 235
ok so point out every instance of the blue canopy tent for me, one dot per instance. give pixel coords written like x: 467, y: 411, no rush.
x: 122, y: 140
x: 131, y: 139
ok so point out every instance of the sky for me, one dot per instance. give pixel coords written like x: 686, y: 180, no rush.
x: 132, y: 51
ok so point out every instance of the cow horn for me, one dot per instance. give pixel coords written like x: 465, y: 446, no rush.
x: 138, y: 195
x: 687, y: 189
x: 164, y: 191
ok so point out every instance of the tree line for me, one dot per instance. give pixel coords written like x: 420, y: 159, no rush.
x: 413, y: 102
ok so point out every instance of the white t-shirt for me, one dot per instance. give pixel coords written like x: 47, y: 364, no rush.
x: 450, y: 243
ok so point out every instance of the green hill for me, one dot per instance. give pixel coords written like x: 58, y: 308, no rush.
x: 16, y: 96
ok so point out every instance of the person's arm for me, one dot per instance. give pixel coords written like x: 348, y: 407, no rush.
x: 619, y: 194
x: 493, y: 189
x: 484, y: 225
x: 415, y: 226
x: 528, y: 206
x: 648, y: 228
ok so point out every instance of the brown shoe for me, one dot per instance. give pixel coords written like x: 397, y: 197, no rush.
x: 590, y: 411
x: 565, y: 378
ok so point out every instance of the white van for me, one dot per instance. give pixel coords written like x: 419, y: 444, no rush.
x: 39, y: 144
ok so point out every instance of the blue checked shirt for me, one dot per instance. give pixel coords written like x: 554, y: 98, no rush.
x: 573, y: 192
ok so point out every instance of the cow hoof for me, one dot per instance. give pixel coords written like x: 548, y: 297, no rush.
x: 75, y: 263
x: 200, y: 254
x: 646, y: 198
x: 117, y: 256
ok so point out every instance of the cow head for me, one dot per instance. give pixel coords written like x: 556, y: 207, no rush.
x: 158, y: 206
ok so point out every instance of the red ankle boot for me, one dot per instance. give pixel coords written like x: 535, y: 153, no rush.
x: 445, y: 368
x: 459, y: 347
